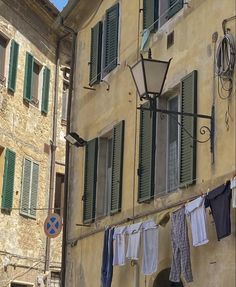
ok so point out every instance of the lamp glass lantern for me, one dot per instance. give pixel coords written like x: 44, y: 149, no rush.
x: 149, y: 76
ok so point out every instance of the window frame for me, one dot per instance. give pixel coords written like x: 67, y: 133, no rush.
x: 4, y: 76
x: 39, y: 83
x: 176, y: 95
x: 163, y: 12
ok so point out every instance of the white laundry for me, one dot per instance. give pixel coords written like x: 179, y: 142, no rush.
x: 119, y: 246
x: 133, y: 241
x: 233, y: 187
x: 197, y: 214
x: 150, y: 247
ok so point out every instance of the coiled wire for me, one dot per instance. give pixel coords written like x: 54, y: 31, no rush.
x: 225, y: 57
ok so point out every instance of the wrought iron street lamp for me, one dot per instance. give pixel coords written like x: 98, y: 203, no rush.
x: 149, y: 76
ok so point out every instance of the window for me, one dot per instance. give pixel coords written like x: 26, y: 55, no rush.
x: 35, y: 84
x: 167, y: 154
x: 32, y: 90
x: 3, y: 45
x: 103, y: 174
x: 65, y: 96
x: 104, y: 45
x: 159, y: 11
x: 8, y: 180
x: 29, y: 191
x: 103, y: 195
x: 16, y: 284
x: 55, y: 279
x: 59, y: 194
x: 172, y: 146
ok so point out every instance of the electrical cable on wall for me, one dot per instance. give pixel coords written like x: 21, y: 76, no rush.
x: 225, y: 62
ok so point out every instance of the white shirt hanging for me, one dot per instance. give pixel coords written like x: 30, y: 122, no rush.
x: 133, y: 241
x: 197, y: 214
x: 119, y: 246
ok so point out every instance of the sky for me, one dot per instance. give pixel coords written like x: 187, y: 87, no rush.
x: 60, y: 4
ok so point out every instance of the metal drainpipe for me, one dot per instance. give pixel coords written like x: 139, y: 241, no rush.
x: 66, y: 191
x: 53, y: 150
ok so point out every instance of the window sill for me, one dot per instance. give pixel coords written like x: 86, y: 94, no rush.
x: 27, y: 216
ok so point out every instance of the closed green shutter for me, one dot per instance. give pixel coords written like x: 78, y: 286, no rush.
x: 150, y: 14
x: 146, y: 154
x: 34, y: 189
x: 26, y: 186
x: 90, y: 180
x: 187, y: 144
x: 8, y: 180
x: 13, y: 66
x: 45, y: 91
x: 111, y: 39
x: 95, y: 54
x: 117, y: 166
x: 29, y: 64
x: 29, y: 191
x: 174, y: 7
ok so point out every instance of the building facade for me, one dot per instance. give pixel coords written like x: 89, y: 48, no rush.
x: 138, y: 163
x: 33, y: 102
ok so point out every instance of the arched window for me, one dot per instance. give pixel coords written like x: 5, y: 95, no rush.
x: 162, y: 280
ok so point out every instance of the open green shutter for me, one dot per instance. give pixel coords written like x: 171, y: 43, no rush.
x: 187, y: 144
x: 111, y: 39
x: 146, y: 154
x: 90, y: 180
x: 34, y: 189
x: 29, y: 64
x: 45, y: 91
x: 117, y: 166
x: 150, y: 14
x: 95, y: 54
x: 174, y: 7
x: 13, y: 66
x: 8, y: 180
x: 26, y: 186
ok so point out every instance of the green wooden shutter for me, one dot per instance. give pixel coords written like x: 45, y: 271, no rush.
x: 13, y: 66
x: 150, y: 14
x: 146, y: 154
x: 8, y: 180
x: 187, y: 144
x: 117, y: 166
x: 174, y: 7
x: 90, y: 180
x: 45, y: 90
x: 26, y: 186
x: 29, y: 64
x: 95, y: 54
x: 111, y: 39
x: 34, y: 189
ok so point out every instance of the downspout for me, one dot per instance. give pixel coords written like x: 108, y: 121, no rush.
x: 66, y: 191
x: 53, y: 150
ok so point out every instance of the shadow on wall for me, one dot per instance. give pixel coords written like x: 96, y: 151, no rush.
x: 162, y: 280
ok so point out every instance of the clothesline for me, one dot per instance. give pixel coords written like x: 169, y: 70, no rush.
x: 73, y: 242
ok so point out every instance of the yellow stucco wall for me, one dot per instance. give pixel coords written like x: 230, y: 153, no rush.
x: 95, y: 112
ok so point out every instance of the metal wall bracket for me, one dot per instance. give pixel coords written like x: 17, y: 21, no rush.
x: 203, y: 129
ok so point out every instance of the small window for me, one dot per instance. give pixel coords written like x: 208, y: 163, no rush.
x: 170, y: 39
x: 35, y: 84
x: 1, y: 166
x: 65, y: 96
x: 59, y: 194
x: 55, y: 279
x: 3, y: 46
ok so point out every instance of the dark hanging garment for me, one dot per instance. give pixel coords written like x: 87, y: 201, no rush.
x: 219, y: 202
x: 107, y: 258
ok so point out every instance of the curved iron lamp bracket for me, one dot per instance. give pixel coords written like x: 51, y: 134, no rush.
x: 203, y: 129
